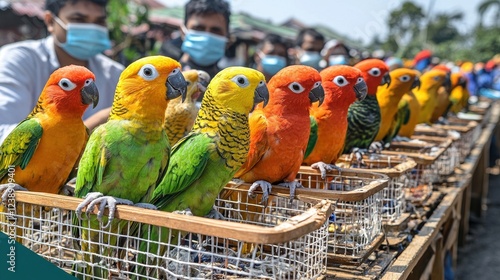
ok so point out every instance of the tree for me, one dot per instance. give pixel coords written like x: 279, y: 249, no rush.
x: 486, y: 6
x: 441, y: 28
x: 404, y: 25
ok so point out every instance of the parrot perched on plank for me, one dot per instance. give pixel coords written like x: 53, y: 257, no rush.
x: 43, y: 150
x: 410, y: 102
x: 280, y: 131
x: 459, y: 95
x: 430, y: 82
x: 180, y: 116
x: 126, y: 157
x: 393, y: 115
x: 364, y: 116
x: 343, y: 85
x: 204, y: 161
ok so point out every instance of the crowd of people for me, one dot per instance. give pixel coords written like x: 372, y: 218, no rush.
x: 78, y: 35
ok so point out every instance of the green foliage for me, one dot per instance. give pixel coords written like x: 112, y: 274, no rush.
x: 123, y: 17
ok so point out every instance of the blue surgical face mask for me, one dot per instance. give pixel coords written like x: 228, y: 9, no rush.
x: 84, y: 40
x: 337, y: 60
x: 204, y: 48
x: 311, y: 58
x: 271, y: 64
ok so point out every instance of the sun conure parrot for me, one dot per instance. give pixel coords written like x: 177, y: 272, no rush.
x: 363, y: 117
x: 343, y: 85
x: 41, y: 151
x: 280, y: 131
x: 392, y: 115
x: 409, y: 101
x: 204, y: 161
x: 126, y: 157
x: 426, y: 95
x: 452, y: 96
x: 459, y: 95
x: 180, y: 116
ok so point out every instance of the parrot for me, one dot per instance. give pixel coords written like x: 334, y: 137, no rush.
x: 279, y: 132
x: 343, y: 85
x: 180, y: 116
x: 126, y: 157
x: 459, y: 95
x: 410, y: 102
x: 392, y: 115
x: 427, y: 93
x: 42, y: 150
x: 363, y: 117
x: 204, y: 161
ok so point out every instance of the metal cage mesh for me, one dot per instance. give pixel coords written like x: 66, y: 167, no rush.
x: 48, y: 232
x: 354, y: 224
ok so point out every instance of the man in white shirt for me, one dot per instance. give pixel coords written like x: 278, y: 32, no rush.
x: 78, y: 36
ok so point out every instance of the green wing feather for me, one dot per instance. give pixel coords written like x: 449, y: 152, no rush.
x: 313, y: 137
x: 188, y: 160
x: 401, y: 118
x: 20, y: 145
x: 363, y: 119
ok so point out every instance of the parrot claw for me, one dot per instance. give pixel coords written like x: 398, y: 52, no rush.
x: 9, y: 188
x: 266, y: 190
x: 401, y: 139
x: 146, y: 206
x: 324, y: 168
x: 376, y: 147
x: 68, y: 190
x: 358, y: 154
x: 292, y: 186
x: 92, y: 199
x: 214, y: 214
x: 187, y: 212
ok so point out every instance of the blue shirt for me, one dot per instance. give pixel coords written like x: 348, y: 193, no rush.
x: 25, y: 68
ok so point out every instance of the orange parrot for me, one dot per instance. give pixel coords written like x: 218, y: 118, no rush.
x: 280, y: 131
x: 40, y: 153
x: 343, y: 85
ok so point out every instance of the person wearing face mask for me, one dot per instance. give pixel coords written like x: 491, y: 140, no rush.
x: 204, y: 36
x: 309, y: 45
x: 271, y: 55
x: 78, y: 35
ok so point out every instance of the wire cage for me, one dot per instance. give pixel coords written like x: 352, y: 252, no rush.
x: 434, y: 164
x: 398, y: 170
x: 285, y: 240
x: 355, y: 225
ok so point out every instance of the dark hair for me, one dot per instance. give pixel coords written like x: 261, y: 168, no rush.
x: 54, y: 6
x: 272, y: 39
x: 310, y: 31
x: 203, y: 7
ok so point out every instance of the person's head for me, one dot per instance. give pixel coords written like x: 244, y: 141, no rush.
x: 78, y: 26
x: 271, y: 55
x: 206, y: 30
x: 309, y: 45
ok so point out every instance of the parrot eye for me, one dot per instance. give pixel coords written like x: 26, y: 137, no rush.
x: 317, y: 84
x: 241, y: 81
x: 360, y: 80
x: 88, y: 82
x: 66, y: 84
x: 296, y: 87
x: 404, y: 78
x: 340, y: 81
x: 437, y: 78
x: 148, y: 72
x: 375, y: 72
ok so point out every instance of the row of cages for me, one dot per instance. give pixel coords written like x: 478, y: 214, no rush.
x: 338, y: 219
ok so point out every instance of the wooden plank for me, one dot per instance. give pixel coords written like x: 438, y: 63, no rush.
x: 404, y: 264
x: 293, y: 228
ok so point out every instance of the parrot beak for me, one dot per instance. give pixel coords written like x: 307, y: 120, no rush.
x: 361, y: 89
x: 317, y: 94
x: 203, y: 80
x: 261, y: 94
x: 447, y: 82
x: 176, y: 86
x: 90, y: 94
x: 462, y: 82
x: 386, y: 80
x: 416, y: 83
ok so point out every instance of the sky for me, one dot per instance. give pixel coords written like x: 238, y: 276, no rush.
x: 358, y: 19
